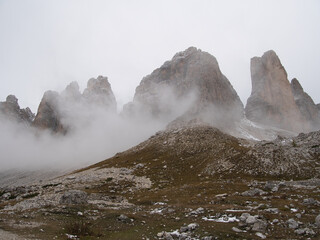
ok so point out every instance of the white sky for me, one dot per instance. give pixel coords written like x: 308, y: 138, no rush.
x: 47, y: 44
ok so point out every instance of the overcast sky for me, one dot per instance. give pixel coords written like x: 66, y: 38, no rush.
x: 47, y: 44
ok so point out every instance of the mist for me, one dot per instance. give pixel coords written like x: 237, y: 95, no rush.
x: 94, y: 133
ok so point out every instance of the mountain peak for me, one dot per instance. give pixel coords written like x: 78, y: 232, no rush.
x: 272, y: 101
x: 192, y: 85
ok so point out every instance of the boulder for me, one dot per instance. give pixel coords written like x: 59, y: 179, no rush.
x: 74, y: 197
x: 292, y: 223
x: 317, y: 221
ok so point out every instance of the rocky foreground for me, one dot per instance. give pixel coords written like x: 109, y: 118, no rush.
x: 187, y: 183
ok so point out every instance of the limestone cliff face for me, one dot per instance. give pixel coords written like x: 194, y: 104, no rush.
x: 306, y: 105
x: 48, y: 115
x: 272, y: 101
x: 190, y: 84
x: 11, y: 110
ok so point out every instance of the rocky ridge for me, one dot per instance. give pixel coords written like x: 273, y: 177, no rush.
x: 11, y: 110
x: 55, y: 107
x: 190, y: 88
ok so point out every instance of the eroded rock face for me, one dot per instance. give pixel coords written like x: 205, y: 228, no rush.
x: 48, y: 115
x: 11, y: 110
x: 57, y: 112
x: 190, y: 85
x: 272, y: 101
x: 99, y: 92
x: 306, y: 105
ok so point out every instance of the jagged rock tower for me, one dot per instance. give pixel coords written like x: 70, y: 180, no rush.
x: 55, y: 107
x: 11, y: 110
x: 272, y: 101
x: 192, y: 85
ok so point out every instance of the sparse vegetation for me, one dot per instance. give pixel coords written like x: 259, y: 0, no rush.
x: 78, y: 226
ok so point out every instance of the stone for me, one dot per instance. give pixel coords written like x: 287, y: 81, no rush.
x: 124, y: 218
x: 193, y: 226
x: 317, y: 221
x: 292, y: 223
x: 237, y: 230
x: 311, y: 201
x: 271, y: 101
x: 160, y: 234
x: 198, y: 211
x: 184, y: 229
x: 260, y: 226
x: 207, y: 238
x: 6, y: 196
x: 304, y: 231
x: 244, y: 217
x: 251, y: 220
x: 261, y: 235
x: 74, y: 197
x: 253, y: 192
x: 167, y: 236
x: 272, y: 210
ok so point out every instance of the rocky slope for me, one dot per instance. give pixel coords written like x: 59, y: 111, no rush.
x: 271, y: 101
x: 211, y: 151
x: 194, y: 182
x: 190, y: 85
x: 11, y: 110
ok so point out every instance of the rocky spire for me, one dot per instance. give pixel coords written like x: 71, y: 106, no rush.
x: 272, y: 101
x: 190, y: 84
x: 48, y: 115
x: 305, y: 104
x: 57, y: 112
x: 11, y: 109
x: 99, y: 92
x: 72, y: 92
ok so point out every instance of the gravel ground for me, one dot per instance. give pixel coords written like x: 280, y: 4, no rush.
x: 9, y: 236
